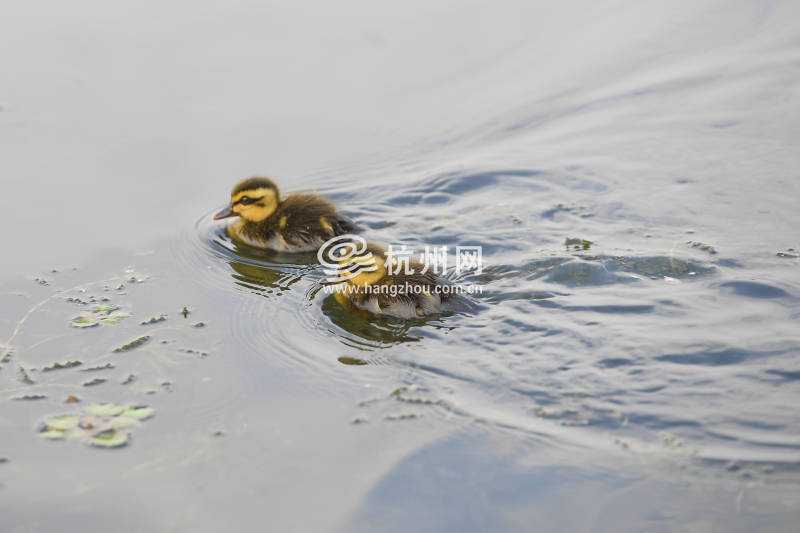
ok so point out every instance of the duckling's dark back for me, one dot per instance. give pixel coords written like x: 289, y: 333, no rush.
x: 306, y: 216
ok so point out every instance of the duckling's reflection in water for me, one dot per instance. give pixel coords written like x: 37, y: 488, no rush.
x: 268, y: 273
x: 271, y: 273
x: 366, y: 330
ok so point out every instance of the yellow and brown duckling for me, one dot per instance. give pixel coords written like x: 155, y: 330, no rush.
x: 300, y: 222
x: 371, y: 280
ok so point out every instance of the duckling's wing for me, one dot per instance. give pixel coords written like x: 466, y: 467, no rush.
x: 343, y: 225
x: 309, y: 217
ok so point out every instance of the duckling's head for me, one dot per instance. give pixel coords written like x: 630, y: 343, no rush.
x: 254, y: 200
x: 367, y: 267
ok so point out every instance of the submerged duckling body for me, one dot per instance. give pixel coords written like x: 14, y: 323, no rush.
x: 375, y: 283
x: 300, y: 222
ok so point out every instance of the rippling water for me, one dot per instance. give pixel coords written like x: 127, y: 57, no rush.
x: 637, y: 342
x: 649, y: 376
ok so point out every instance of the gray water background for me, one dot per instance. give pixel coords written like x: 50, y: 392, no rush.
x: 642, y: 384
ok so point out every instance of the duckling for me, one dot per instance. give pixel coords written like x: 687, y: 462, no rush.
x: 367, y: 285
x: 300, y: 222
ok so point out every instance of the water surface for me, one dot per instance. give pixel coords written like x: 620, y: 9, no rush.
x: 648, y: 377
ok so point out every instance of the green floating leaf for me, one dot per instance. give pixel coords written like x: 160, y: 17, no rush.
x: 77, y: 434
x: 123, y: 422
x: 114, y: 317
x: 102, y: 425
x: 84, y: 322
x: 133, y: 344
x: 95, y: 381
x: 110, y: 438
x: 99, y: 314
x: 62, y: 423
x: 138, y: 413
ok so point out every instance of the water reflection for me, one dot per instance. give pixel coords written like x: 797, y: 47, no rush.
x: 359, y: 329
x: 265, y: 272
x: 267, y: 279
x: 680, y: 129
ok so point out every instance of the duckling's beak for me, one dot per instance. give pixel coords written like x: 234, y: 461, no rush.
x: 225, y: 213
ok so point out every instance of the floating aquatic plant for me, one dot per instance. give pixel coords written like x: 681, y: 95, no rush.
x: 60, y: 366
x: 401, y: 394
x: 25, y: 377
x: 101, y: 425
x: 133, y: 344
x: 419, y: 401
x: 138, y: 413
x: 107, y: 366
x: 192, y: 351
x: 30, y: 397
x: 352, y: 361
x: 99, y: 314
x: 577, y: 243
x: 154, y: 320
x: 702, y: 246
x: 405, y: 416
x: 58, y: 427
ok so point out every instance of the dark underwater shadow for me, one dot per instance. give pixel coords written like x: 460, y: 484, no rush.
x: 583, y: 270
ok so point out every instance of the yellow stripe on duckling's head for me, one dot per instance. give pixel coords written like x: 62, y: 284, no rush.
x: 255, y: 199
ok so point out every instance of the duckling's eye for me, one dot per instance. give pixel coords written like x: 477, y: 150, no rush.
x: 246, y: 200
